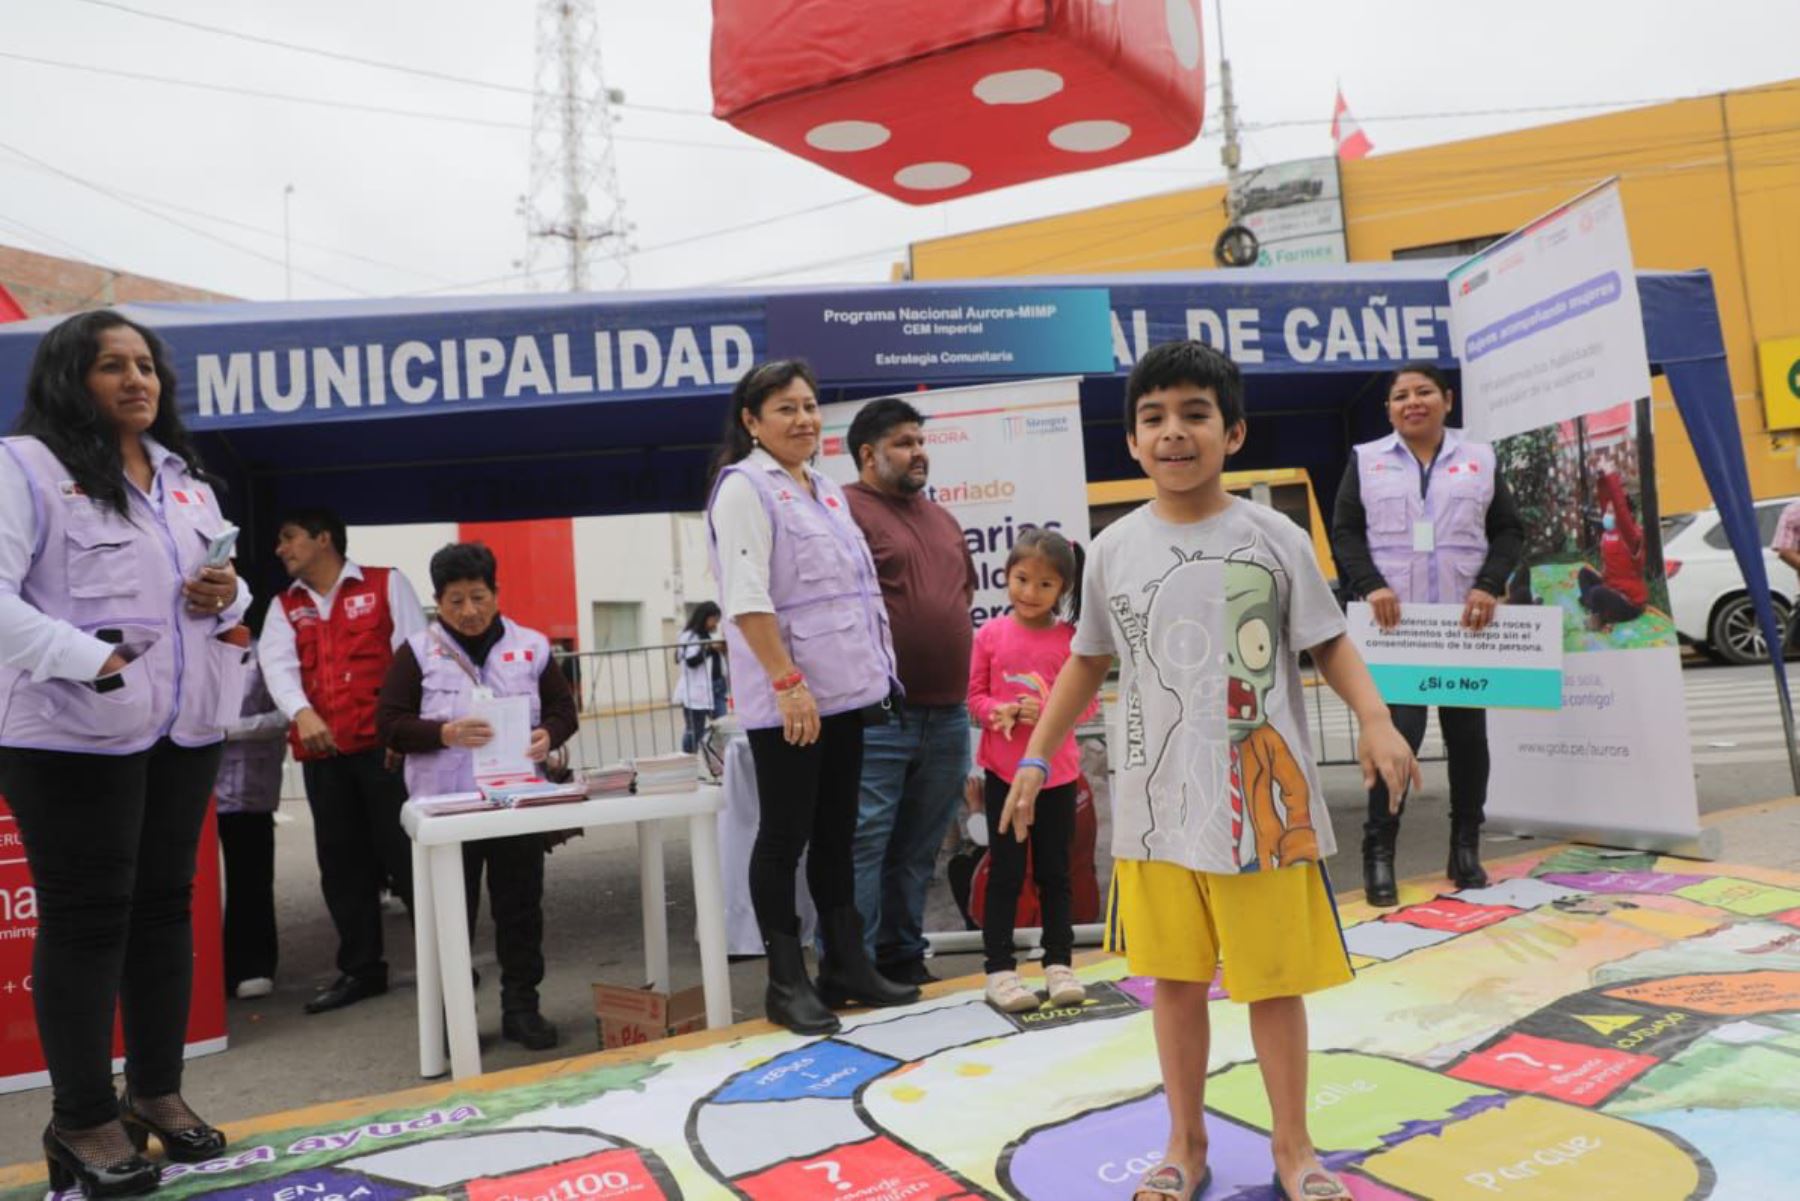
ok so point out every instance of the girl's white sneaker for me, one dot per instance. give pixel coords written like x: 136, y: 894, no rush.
x: 1065, y: 988
x: 1007, y: 993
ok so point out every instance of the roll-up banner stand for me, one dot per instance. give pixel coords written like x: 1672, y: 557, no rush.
x: 1003, y: 457
x: 1547, y: 325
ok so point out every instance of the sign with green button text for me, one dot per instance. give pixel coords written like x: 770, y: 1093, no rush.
x: 1431, y: 658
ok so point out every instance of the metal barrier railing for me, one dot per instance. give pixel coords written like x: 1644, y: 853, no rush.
x: 628, y: 711
x: 626, y: 701
x: 1334, y: 729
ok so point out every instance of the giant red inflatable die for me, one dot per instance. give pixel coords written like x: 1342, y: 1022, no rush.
x: 930, y: 99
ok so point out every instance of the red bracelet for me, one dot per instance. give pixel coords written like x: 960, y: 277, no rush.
x: 788, y: 682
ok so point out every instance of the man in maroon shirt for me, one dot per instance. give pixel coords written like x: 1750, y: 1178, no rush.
x: 913, y: 767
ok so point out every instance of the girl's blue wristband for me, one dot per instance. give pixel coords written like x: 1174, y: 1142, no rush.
x: 1042, y: 765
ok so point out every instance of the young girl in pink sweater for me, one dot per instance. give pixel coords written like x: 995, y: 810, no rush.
x: 1015, y: 661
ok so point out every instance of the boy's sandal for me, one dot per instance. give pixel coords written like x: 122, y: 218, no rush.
x: 1170, y: 1181
x: 1316, y: 1184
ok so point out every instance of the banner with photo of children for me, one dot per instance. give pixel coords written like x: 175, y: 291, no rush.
x: 1550, y: 334
x: 1593, y: 545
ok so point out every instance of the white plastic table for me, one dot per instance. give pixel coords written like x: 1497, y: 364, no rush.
x: 441, y: 921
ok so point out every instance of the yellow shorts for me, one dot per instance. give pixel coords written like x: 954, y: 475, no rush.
x: 1276, y: 932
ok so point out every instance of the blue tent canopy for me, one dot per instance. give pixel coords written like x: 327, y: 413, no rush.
x: 501, y: 408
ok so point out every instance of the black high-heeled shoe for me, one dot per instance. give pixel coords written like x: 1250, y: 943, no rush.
x: 196, y: 1144
x: 127, y: 1178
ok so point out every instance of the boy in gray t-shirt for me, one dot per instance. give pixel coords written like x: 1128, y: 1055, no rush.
x: 1214, y: 768
x: 1218, y: 825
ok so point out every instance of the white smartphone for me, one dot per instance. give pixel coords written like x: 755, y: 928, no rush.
x: 219, y: 550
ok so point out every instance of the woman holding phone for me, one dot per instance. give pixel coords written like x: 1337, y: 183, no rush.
x: 110, y: 650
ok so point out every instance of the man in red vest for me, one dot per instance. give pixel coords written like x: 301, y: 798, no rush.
x: 325, y: 650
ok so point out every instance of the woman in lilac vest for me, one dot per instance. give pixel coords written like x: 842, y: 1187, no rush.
x: 427, y: 713
x: 117, y: 680
x: 811, y: 663
x: 1424, y: 518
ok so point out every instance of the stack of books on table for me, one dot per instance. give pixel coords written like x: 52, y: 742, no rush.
x: 667, y: 773
x: 615, y: 779
x: 518, y: 794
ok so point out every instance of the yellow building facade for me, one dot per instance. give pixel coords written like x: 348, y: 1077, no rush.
x: 1712, y: 183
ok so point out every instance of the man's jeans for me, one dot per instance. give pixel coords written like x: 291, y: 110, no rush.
x: 912, y: 786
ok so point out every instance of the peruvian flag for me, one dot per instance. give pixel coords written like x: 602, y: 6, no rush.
x: 10, y: 309
x: 1352, y: 142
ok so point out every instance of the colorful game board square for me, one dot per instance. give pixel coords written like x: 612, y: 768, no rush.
x: 1104, y: 1000
x: 1623, y: 881
x: 1355, y: 1102
x: 1533, y: 1149
x: 822, y: 1069
x: 619, y: 1175
x: 1566, y: 1071
x: 1447, y: 913
x: 1790, y: 918
x: 879, y: 1167
x: 1729, y: 994
x: 1390, y: 940
x: 318, y: 1184
x: 1601, y: 1020
x: 1742, y: 896
x: 1524, y: 893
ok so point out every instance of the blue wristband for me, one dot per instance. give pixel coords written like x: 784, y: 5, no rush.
x: 1042, y: 765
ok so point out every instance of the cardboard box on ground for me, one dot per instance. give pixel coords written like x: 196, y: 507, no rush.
x: 627, y: 1016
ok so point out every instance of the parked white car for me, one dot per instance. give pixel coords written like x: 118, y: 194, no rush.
x: 1711, y: 606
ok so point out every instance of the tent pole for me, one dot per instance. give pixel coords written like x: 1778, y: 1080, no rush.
x: 1787, y: 715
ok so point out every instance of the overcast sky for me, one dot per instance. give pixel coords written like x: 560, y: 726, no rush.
x: 386, y: 204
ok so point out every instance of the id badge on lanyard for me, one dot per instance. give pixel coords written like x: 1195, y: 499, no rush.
x: 481, y: 692
x: 1424, y: 536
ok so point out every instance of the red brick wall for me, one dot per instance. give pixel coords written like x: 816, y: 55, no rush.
x: 45, y: 286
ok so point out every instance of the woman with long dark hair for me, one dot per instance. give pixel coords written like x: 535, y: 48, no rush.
x: 112, y: 660
x: 701, y: 689
x: 1422, y: 517
x: 811, y: 661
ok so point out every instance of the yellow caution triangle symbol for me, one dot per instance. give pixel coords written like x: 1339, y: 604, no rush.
x: 1605, y: 1023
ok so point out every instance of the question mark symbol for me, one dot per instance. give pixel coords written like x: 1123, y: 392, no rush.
x: 1529, y: 1061
x: 832, y: 1171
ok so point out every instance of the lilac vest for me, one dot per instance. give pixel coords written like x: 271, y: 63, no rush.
x: 250, y: 769
x: 512, y: 669
x: 98, y: 572
x: 1455, y: 503
x: 827, y: 601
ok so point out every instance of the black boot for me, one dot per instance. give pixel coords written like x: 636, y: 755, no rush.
x: 846, y: 976
x: 791, y: 1000
x: 1379, y: 886
x: 1464, y: 869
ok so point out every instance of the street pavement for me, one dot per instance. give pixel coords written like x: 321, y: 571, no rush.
x: 281, y: 1059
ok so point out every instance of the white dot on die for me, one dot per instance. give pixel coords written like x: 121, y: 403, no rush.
x: 929, y: 177
x: 1089, y: 137
x: 1184, y: 31
x: 1018, y: 87
x: 847, y: 136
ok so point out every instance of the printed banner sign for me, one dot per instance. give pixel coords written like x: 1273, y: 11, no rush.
x: 1555, y: 371
x: 21, y: 1054
x: 1547, y: 323
x: 925, y: 334
x: 1430, y: 659
x: 1003, y: 457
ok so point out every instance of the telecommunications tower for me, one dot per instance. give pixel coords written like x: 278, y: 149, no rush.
x: 575, y: 212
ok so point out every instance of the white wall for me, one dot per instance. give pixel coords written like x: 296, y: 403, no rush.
x: 406, y: 547
x: 655, y: 560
